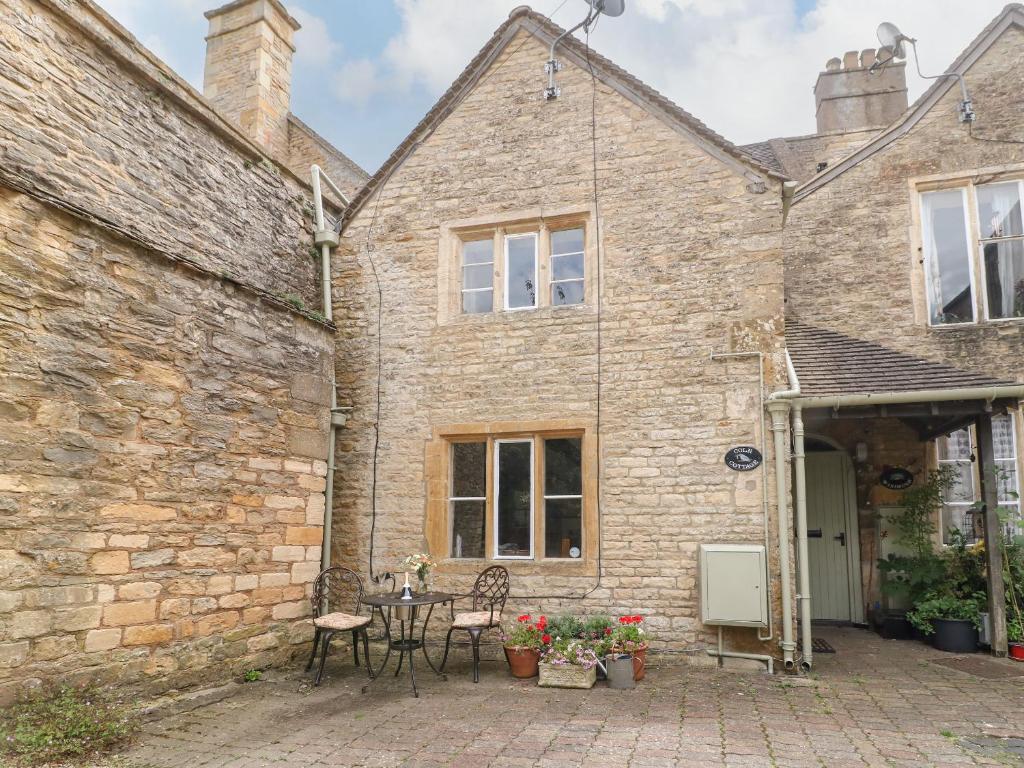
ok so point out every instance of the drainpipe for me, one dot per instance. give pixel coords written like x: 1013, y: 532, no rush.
x: 778, y: 409
x: 803, y: 573
x: 326, y: 239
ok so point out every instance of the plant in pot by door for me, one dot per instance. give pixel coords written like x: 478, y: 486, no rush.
x: 950, y: 619
x: 629, y: 638
x: 1015, y: 636
x: 523, y: 644
x: 568, y: 663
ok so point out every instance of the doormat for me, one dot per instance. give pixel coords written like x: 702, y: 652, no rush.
x: 820, y: 645
x: 982, y: 666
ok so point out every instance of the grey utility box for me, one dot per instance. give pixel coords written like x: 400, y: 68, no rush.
x: 733, y: 585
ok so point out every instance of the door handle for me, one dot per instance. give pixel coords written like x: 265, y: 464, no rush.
x: 814, y: 533
x: 841, y: 538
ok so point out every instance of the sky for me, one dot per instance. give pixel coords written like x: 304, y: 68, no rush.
x: 366, y: 71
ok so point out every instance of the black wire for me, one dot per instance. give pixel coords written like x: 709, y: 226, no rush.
x: 597, y: 234
x: 970, y: 132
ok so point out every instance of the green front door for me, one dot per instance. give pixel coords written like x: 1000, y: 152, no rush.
x: 828, y: 540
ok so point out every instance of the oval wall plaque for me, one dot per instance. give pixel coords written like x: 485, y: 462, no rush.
x: 897, y: 478
x: 743, y: 458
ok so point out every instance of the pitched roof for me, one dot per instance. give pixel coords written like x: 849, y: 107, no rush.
x: 1011, y: 15
x: 831, y: 363
x: 524, y: 17
x: 764, y: 153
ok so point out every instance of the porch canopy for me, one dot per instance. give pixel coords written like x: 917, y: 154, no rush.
x: 851, y: 378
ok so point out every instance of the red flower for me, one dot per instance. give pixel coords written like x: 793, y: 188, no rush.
x: 525, y: 617
x: 623, y: 619
x: 545, y: 639
x: 607, y: 630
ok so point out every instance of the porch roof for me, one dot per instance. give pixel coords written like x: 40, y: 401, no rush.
x: 831, y: 363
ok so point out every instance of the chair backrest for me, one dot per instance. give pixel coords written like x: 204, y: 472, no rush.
x: 337, y: 589
x: 491, y: 588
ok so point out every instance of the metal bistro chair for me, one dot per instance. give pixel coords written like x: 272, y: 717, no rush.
x: 489, y: 595
x: 338, y: 587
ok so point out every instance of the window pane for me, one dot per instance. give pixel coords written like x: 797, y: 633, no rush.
x: 567, y: 267
x: 477, y: 276
x: 468, y: 528
x: 999, y: 210
x: 477, y: 302
x: 563, y: 527
x: 567, y: 241
x: 522, y: 280
x: 947, y: 257
x: 963, y: 483
x: 469, y: 469
x: 1004, y: 278
x: 562, y: 473
x: 478, y: 251
x: 1006, y: 460
x: 957, y: 446
x: 961, y: 517
x: 567, y: 293
x: 514, y: 502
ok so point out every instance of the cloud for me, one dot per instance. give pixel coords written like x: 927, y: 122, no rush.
x: 745, y: 67
x: 356, y: 82
x: 313, y: 42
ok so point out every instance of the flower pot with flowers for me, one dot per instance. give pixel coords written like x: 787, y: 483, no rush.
x: 523, y: 643
x: 629, y: 638
x: 421, y: 563
x: 568, y: 663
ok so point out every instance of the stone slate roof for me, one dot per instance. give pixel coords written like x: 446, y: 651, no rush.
x: 763, y: 153
x: 831, y: 363
x: 526, y: 18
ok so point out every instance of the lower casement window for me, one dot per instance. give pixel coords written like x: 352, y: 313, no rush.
x: 519, y: 497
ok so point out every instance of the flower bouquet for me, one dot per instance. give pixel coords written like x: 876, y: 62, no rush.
x: 421, y: 563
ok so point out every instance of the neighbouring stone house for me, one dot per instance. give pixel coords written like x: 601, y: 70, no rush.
x: 552, y: 318
x: 165, y: 390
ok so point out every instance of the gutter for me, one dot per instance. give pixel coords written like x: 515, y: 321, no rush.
x: 1015, y: 391
x: 326, y: 239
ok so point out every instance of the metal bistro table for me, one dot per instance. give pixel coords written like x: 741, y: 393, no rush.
x: 405, y: 612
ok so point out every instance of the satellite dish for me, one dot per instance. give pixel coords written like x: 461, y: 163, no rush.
x: 608, y: 7
x: 890, y: 37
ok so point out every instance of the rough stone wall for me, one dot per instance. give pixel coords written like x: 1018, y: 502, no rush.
x: 692, y: 264
x: 850, y: 261
x: 161, y: 441
x: 306, y: 148
x: 91, y: 118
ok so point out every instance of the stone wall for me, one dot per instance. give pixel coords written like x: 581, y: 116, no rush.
x: 691, y: 265
x: 306, y: 148
x: 852, y: 263
x: 92, y: 118
x: 161, y: 441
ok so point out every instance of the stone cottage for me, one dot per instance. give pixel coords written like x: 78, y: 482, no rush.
x: 551, y: 316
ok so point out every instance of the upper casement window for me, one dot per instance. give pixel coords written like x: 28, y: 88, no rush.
x: 974, y: 233
x: 517, y: 267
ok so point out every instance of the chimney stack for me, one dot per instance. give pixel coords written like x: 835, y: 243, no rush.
x: 248, y: 69
x: 849, y: 97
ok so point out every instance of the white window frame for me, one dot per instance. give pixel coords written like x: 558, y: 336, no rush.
x: 497, y: 496
x: 929, y: 258
x: 536, y: 267
x: 556, y: 497
x: 960, y: 505
x: 462, y: 282
x: 551, y: 259
x: 980, y: 248
x: 1016, y: 472
x: 451, y: 485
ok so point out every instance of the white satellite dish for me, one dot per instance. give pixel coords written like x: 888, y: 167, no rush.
x: 608, y: 7
x: 890, y: 37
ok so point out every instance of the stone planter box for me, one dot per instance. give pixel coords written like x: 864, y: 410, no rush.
x: 567, y: 676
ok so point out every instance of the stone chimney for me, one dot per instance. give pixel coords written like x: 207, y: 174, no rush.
x: 850, y: 97
x: 248, y: 69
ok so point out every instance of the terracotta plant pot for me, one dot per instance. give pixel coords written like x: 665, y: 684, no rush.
x: 523, y: 661
x: 640, y: 663
x: 1017, y: 651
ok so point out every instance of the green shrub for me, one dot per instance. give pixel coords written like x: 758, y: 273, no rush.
x: 71, y: 724
x: 946, y: 605
x: 252, y: 676
x: 565, y: 627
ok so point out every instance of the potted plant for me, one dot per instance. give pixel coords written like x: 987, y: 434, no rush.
x: 1015, y: 635
x: 951, y: 619
x: 568, y: 663
x: 629, y: 638
x: 523, y: 643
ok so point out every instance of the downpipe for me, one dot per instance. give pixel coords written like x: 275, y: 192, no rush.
x: 779, y: 409
x: 803, y: 563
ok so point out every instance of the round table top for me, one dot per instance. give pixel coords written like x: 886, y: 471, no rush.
x: 395, y: 598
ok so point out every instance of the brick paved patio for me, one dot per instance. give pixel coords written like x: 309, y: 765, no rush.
x: 875, y: 702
